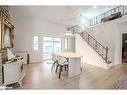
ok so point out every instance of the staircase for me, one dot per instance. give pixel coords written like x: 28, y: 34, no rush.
x: 112, y: 14
x: 91, y: 41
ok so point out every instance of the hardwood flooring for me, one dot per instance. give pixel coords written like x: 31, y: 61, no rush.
x: 39, y: 76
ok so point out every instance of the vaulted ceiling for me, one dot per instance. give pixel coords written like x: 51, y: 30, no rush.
x: 57, y: 14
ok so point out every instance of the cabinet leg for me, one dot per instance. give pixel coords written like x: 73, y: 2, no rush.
x: 3, y: 87
x: 20, y: 83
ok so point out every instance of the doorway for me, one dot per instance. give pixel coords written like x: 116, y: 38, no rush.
x: 124, y: 47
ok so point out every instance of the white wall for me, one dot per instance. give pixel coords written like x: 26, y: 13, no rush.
x: 105, y: 34
x: 71, y: 43
x: 25, y: 28
x: 88, y: 54
x: 109, y: 35
x: 76, y: 20
x: 122, y: 27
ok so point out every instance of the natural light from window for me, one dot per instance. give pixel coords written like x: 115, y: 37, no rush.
x: 35, y: 42
x: 65, y: 43
x: 51, y: 45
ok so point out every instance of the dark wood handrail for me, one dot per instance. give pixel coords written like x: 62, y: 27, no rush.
x: 96, y: 45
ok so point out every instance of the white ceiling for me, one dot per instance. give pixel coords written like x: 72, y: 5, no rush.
x: 96, y: 10
x: 57, y: 14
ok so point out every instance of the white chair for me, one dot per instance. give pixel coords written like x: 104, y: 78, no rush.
x: 54, y: 59
x: 62, y: 62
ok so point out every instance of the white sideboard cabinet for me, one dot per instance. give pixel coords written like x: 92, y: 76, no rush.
x: 23, y: 54
x: 13, y: 71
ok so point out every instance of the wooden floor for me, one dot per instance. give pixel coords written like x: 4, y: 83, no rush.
x: 39, y: 76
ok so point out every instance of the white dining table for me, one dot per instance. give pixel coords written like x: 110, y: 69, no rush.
x: 74, y: 60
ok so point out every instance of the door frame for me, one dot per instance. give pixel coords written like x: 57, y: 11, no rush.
x: 122, y: 45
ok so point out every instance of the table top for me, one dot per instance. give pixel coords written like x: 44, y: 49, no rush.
x: 69, y: 54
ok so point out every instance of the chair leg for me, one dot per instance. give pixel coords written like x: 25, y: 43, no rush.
x: 53, y: 66
x: 67, y: 69
x: 57, y: 67
x: 60, y: 72
x: 81, y: 68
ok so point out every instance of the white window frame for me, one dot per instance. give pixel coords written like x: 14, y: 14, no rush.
x: 65, y: 44
x: 37, y: 47
x: 53, y: 43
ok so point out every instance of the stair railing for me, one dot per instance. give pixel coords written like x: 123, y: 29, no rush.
x: 97, y: 46
x: 98, y: 19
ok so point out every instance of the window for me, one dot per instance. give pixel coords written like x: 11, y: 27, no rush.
x: 50, y: 45
x: 84, y: 22
x: 65, y: 43
x: 35, y: 42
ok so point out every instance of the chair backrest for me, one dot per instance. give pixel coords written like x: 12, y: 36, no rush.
x: 54, y: 57
x: 61, y: 60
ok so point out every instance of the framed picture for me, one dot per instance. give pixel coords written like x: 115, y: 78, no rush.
x: 0, y: 31
x: 7, y: 34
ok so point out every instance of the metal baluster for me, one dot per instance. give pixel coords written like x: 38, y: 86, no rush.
x: 88, y: 39
x: 123, y: 9
x: 118, y: 9
x: 85, y: 36
x: 92, y: 42
x: 93, y: 21
x: 114, y: 10
x: 90, y: 22
x: 103, y: 51
x: 96, y: 19
x: 98, y: 48
x: 106, y: 54
x: 77, y: 29
x: 100, y: 19
x: 96, y: 45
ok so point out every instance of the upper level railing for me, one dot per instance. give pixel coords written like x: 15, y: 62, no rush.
x: 97, y: 46
x: 98, y: 19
